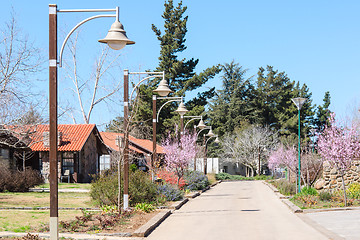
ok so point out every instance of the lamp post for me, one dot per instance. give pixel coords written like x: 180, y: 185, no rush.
x: 181, y: 110
x: 299, y: 102
x: 164, y: 90
x: 201, y: 125
x: 209, y: 134
x: 205, y: 151
x: 116, y: 39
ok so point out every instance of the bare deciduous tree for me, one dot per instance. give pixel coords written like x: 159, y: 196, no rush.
x: 250, y: 147
x: 18, y: 59
x: 96, y: 88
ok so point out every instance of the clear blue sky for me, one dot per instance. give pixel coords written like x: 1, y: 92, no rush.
x: 314, y: 42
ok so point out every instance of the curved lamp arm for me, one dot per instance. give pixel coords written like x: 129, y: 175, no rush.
x: 209, y: 139
x: 197, y: 135
x: 84, y: 21
x: 174, y: 100
x: 192, y: 119
x: 142, y: 80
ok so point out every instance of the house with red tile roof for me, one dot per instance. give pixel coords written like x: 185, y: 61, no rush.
x: 140, y: 149
x: 79, y: 149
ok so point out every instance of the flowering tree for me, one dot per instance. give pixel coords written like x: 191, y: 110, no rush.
x: 179, y: 152
x: 284, y: 157
x: 339, y: 146
x: 288, y: 157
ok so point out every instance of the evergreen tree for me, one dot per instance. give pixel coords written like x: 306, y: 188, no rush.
x: 323, y: 113
x: 231, y: 107
x: 180, y: 73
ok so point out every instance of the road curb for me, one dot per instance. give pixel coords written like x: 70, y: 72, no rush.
x: 148, y: 227
x: 284, y: 199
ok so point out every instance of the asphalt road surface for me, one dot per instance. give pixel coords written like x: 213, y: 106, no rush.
x: 235, y: 210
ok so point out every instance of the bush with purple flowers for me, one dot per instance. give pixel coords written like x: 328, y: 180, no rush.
x: 171, y: 193
x: 196, y: 180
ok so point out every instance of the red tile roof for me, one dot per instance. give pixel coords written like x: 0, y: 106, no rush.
x: 74, y: 137
x: 109, y: 140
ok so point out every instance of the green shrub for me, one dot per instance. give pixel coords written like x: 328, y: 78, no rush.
x: 325, y: 196
x: 141, y: 188
x: 354, y: 190
x: 285, y: 187
x: 196, y: 180
x: 227, y: 176
x: 309, y: 191
x: 104, y: 188
x: 144, y: 207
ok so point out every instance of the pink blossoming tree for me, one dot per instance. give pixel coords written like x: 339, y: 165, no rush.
x: 179, y: 152
x: 339, y: 146
x: 284, y: 157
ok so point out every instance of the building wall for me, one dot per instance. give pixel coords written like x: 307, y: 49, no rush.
x: 89, y: 160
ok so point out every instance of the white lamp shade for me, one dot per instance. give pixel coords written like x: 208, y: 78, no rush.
x: 201, y: 124
x: 299, y: 102
x: 181, y: 109
x: 163, y: 89
x: 116, y: 37
x: 210, y: 133
x: 217, y: 140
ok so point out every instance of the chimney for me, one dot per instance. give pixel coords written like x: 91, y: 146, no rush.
x: 46, y: 139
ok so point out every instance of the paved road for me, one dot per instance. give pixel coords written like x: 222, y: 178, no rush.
x: 344, y: 223
x: 235, y: 210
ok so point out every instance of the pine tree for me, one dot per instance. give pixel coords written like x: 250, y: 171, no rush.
x: 180, y: 73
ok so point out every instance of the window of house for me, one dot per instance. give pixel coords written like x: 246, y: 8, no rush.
x: 68, y: 162
x: 4, y: 153
x: 104, y: 162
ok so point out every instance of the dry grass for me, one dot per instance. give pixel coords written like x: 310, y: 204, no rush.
x: 68, y: 186
x: 34, y: 199
x: 26, y: 221
x: 211, y: 177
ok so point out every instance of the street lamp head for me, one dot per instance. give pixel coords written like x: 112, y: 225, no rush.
x: 181, y: 109
x: 217, y: 140
x: 299, y: 102
x: 163, y: 89
x: 116, y: 37
x: 210, y: 133
x: 201, y: 124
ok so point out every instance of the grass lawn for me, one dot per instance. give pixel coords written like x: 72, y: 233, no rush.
x: 42, y: 199
x: 26, y: 221
x: 68, y: 186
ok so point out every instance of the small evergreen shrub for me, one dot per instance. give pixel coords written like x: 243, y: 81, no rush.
x: 308, y: 191
x: 104, y: 188
x: 169, y: 192
x: 325, y: 196
x: 195, y: 180
x: 285, y: 187
x: 354, y: 190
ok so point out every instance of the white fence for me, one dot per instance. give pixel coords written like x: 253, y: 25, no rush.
x: 212, y: 165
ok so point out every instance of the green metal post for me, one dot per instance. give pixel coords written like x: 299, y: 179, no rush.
x: 299, y: 153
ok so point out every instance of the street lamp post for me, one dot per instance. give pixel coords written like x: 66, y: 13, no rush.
x: 205, y: 151
x: 181, y: 110
x: 209, y: 134
x: 201, y: 125
x: 116, y: 39
x: 164, y: 90
x: 299, y: 102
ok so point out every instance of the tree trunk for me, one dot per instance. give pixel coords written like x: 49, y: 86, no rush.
x: 343, y: 183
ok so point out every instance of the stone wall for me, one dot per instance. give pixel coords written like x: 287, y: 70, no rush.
x: 332, y: 179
